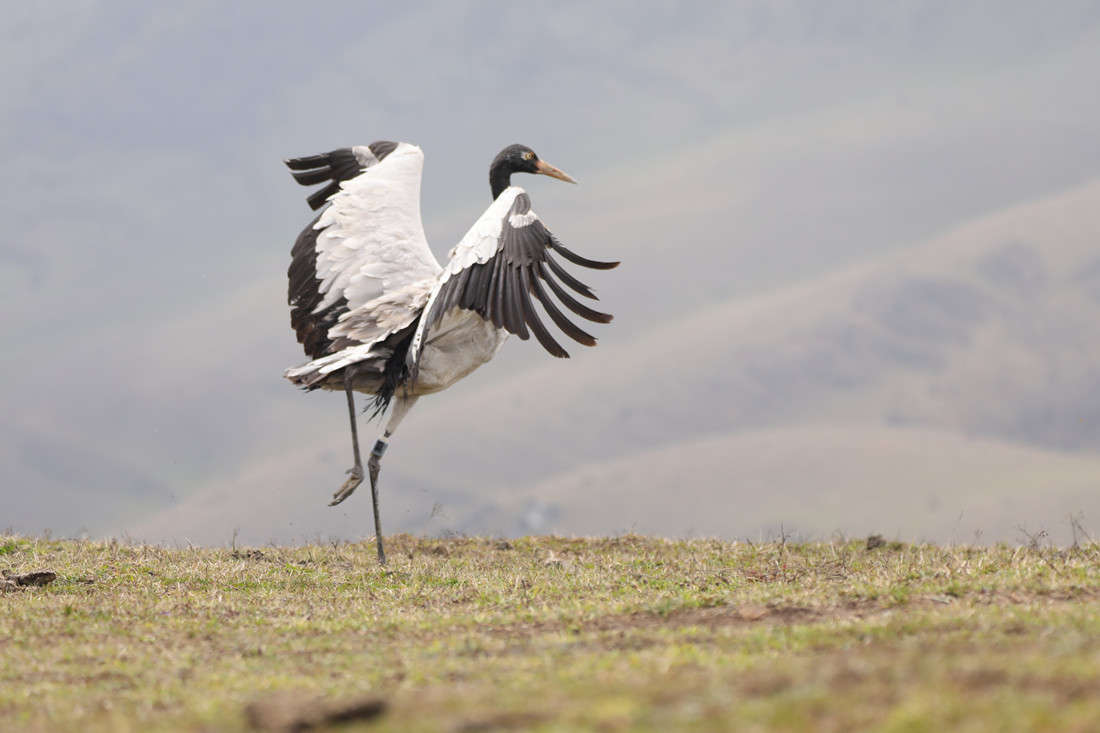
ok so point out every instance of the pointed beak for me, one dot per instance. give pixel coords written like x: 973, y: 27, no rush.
x: 548, y: 170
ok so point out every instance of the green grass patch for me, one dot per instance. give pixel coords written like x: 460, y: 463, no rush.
x: 556, y: 634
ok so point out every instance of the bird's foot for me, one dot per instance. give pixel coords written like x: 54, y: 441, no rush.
x: 355, y: 477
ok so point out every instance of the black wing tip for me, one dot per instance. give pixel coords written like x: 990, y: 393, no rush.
x: 382, y: 148
x: 320, y: 160
x: 333, y: 167
x: 317, y: 199
x: 303, y: 164
x: 379, y: 148
x: 576, y: 259
x: 593, y: 264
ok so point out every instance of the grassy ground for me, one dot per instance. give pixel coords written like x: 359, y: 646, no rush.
x: 555, y: 634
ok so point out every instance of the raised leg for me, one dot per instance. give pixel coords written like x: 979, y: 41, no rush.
x: 355, y: 473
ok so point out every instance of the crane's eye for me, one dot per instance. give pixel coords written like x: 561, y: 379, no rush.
x: 529, y: 155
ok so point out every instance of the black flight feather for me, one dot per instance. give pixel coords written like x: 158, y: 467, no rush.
x: 574, y: 305
x: 569, y: 328
x: 541, y: 334
x: 576, y: 259
x: 568, y: 279
x: 336, y: 166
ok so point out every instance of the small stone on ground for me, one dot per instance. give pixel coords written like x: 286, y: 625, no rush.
x: 291, y: 712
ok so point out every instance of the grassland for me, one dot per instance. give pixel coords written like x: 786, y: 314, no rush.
x: 555, y: 634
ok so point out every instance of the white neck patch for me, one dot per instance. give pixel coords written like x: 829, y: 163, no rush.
x: 521, y: 220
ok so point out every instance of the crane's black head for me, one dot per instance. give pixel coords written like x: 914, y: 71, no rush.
x: 519, y: 159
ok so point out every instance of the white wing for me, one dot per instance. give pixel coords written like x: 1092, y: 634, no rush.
x: 363, y: 269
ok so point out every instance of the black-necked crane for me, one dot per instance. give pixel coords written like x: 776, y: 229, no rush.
x: 376, y: 312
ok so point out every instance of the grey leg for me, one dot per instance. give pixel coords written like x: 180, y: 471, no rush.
x: 401, y: 407
x: 355, y: 473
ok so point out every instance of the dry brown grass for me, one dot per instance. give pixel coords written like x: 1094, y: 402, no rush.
x: 627, y: 633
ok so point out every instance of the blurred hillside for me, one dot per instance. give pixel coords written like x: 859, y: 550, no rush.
x: 955, y: 379
x: 740, y: 159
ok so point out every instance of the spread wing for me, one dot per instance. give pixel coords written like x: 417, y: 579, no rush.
x: 362, y: 270
x: 504, y: 264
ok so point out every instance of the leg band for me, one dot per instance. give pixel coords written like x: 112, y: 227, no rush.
x: 379, y: 448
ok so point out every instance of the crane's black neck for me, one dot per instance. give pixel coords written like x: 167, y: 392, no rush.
x: 500, y: 177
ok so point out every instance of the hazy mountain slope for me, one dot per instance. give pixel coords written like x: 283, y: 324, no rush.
x: 723, y: 151
x: 911, y: 484
x: 285, y: 499
x: 992, y: 331
x: 906, y: 483
x: 33, y: 459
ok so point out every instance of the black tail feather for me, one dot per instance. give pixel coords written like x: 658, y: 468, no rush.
x: 395, y: 375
